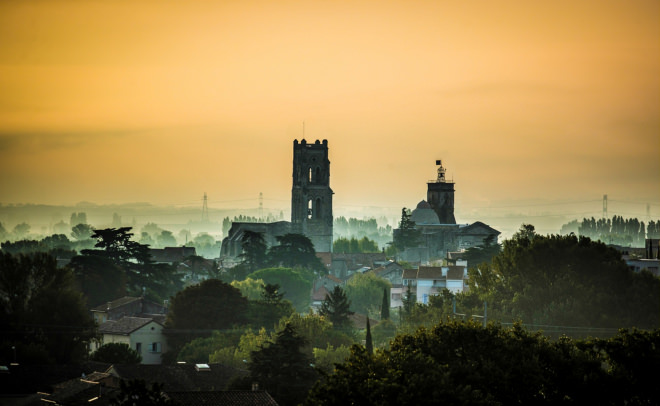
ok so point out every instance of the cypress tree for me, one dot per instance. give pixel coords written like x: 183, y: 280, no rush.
x: 369, y: 343
x: 385, y: 307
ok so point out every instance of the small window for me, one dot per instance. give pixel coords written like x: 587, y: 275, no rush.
x: 138, y: 347
x: 154, y: 347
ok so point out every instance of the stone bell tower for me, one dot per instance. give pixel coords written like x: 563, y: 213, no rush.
x: 311, y: 196
x: 440, y: 195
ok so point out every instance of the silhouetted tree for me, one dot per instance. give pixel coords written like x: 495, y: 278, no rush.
x: 407, y: 236
x: 336, y: 307
x: 295, y: 250
x: 198, y: 310
x: 385, y: 307
x: 138, y: 393
x: 295, y: 284
x: 282, y: 368
x: 116, y: 353
x: 369, y: 345
x: 41, y: 308
x: 82, y: 232
x: 98, y: 278
x: 466, y: 364
x: 254, y: 250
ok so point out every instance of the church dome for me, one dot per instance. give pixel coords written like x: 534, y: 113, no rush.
x: 424, y: 214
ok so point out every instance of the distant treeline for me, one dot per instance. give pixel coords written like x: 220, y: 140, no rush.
x: 226, y: 222
x: 617, y: 230
x: 347, y: 228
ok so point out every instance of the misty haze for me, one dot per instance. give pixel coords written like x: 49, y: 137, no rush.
x: 318, y: 203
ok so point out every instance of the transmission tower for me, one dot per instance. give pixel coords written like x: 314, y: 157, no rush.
x: 205, y: 210
x: 261, y: 206
x: 604, y: 206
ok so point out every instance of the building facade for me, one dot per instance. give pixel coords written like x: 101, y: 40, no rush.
x: 439, y: 233
x: 311, y: 204
x: 311, y: 195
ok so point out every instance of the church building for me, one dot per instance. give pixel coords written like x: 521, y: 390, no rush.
x: 311, y: 204
x: 435, y: 221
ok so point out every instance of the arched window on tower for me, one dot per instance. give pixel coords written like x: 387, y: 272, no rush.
x: 309, y: 175
x: 317, y: 208
x: 310, y: 210
x: 317, y: 175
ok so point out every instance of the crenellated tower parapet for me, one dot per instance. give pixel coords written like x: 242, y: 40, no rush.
x: 311, y: 195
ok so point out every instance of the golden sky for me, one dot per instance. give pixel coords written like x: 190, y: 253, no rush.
x: 160, y: 101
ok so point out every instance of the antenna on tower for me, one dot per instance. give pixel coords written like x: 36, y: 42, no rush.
x: 605, y: 207
x: 205, y: 210
x: 261, y: 206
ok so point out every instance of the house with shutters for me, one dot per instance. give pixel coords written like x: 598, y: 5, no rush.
x: 142, y: 334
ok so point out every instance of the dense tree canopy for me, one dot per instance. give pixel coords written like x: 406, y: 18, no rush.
x: 407, y: 236
x: 566, y: 281
x: 353, y: 245
x: 483, y: 253
x: 198, y: 310
x: 160, y: 281
x: 82, y: 232
x: 295, y: 250
x: 465, y: 363
x: 42, y: 314
x: 295, y: 284
x: 116, y: 353
x: 365, y: 291
x: 336, y: 308
x: 138, y: 392
x: 98, y: 278
x: 283, y: 368
x: 254, y: 249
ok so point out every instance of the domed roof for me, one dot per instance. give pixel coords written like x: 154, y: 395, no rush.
x: 424, y: 214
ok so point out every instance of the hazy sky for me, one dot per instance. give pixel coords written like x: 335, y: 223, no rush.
x: 553, y: 102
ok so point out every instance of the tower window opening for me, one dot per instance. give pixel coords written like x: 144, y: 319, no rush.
x: 317, y: 175
x: 310, y: 210
x: 309, y: 175
x: 317, y: 208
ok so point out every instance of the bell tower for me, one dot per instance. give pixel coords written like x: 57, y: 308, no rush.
x: 311, y: 196
x: 440, y: 195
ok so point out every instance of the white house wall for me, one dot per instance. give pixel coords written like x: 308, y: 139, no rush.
x: 147, y: 336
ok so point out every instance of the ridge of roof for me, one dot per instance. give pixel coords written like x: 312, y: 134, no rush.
x: 126, y: 325
x: 116, y: 303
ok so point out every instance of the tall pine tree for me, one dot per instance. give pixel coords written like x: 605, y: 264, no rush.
x: 369, y: 345
x: 336, y: 307
x: 385, y: 307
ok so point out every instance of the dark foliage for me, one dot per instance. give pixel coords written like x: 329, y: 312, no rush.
x: 465, y: 363
x: 42, y: 315
x: 199, y: 310
x: 138, y: 393
x: 282, y: 368
x: 116, y: 353
x: 336, y: 308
